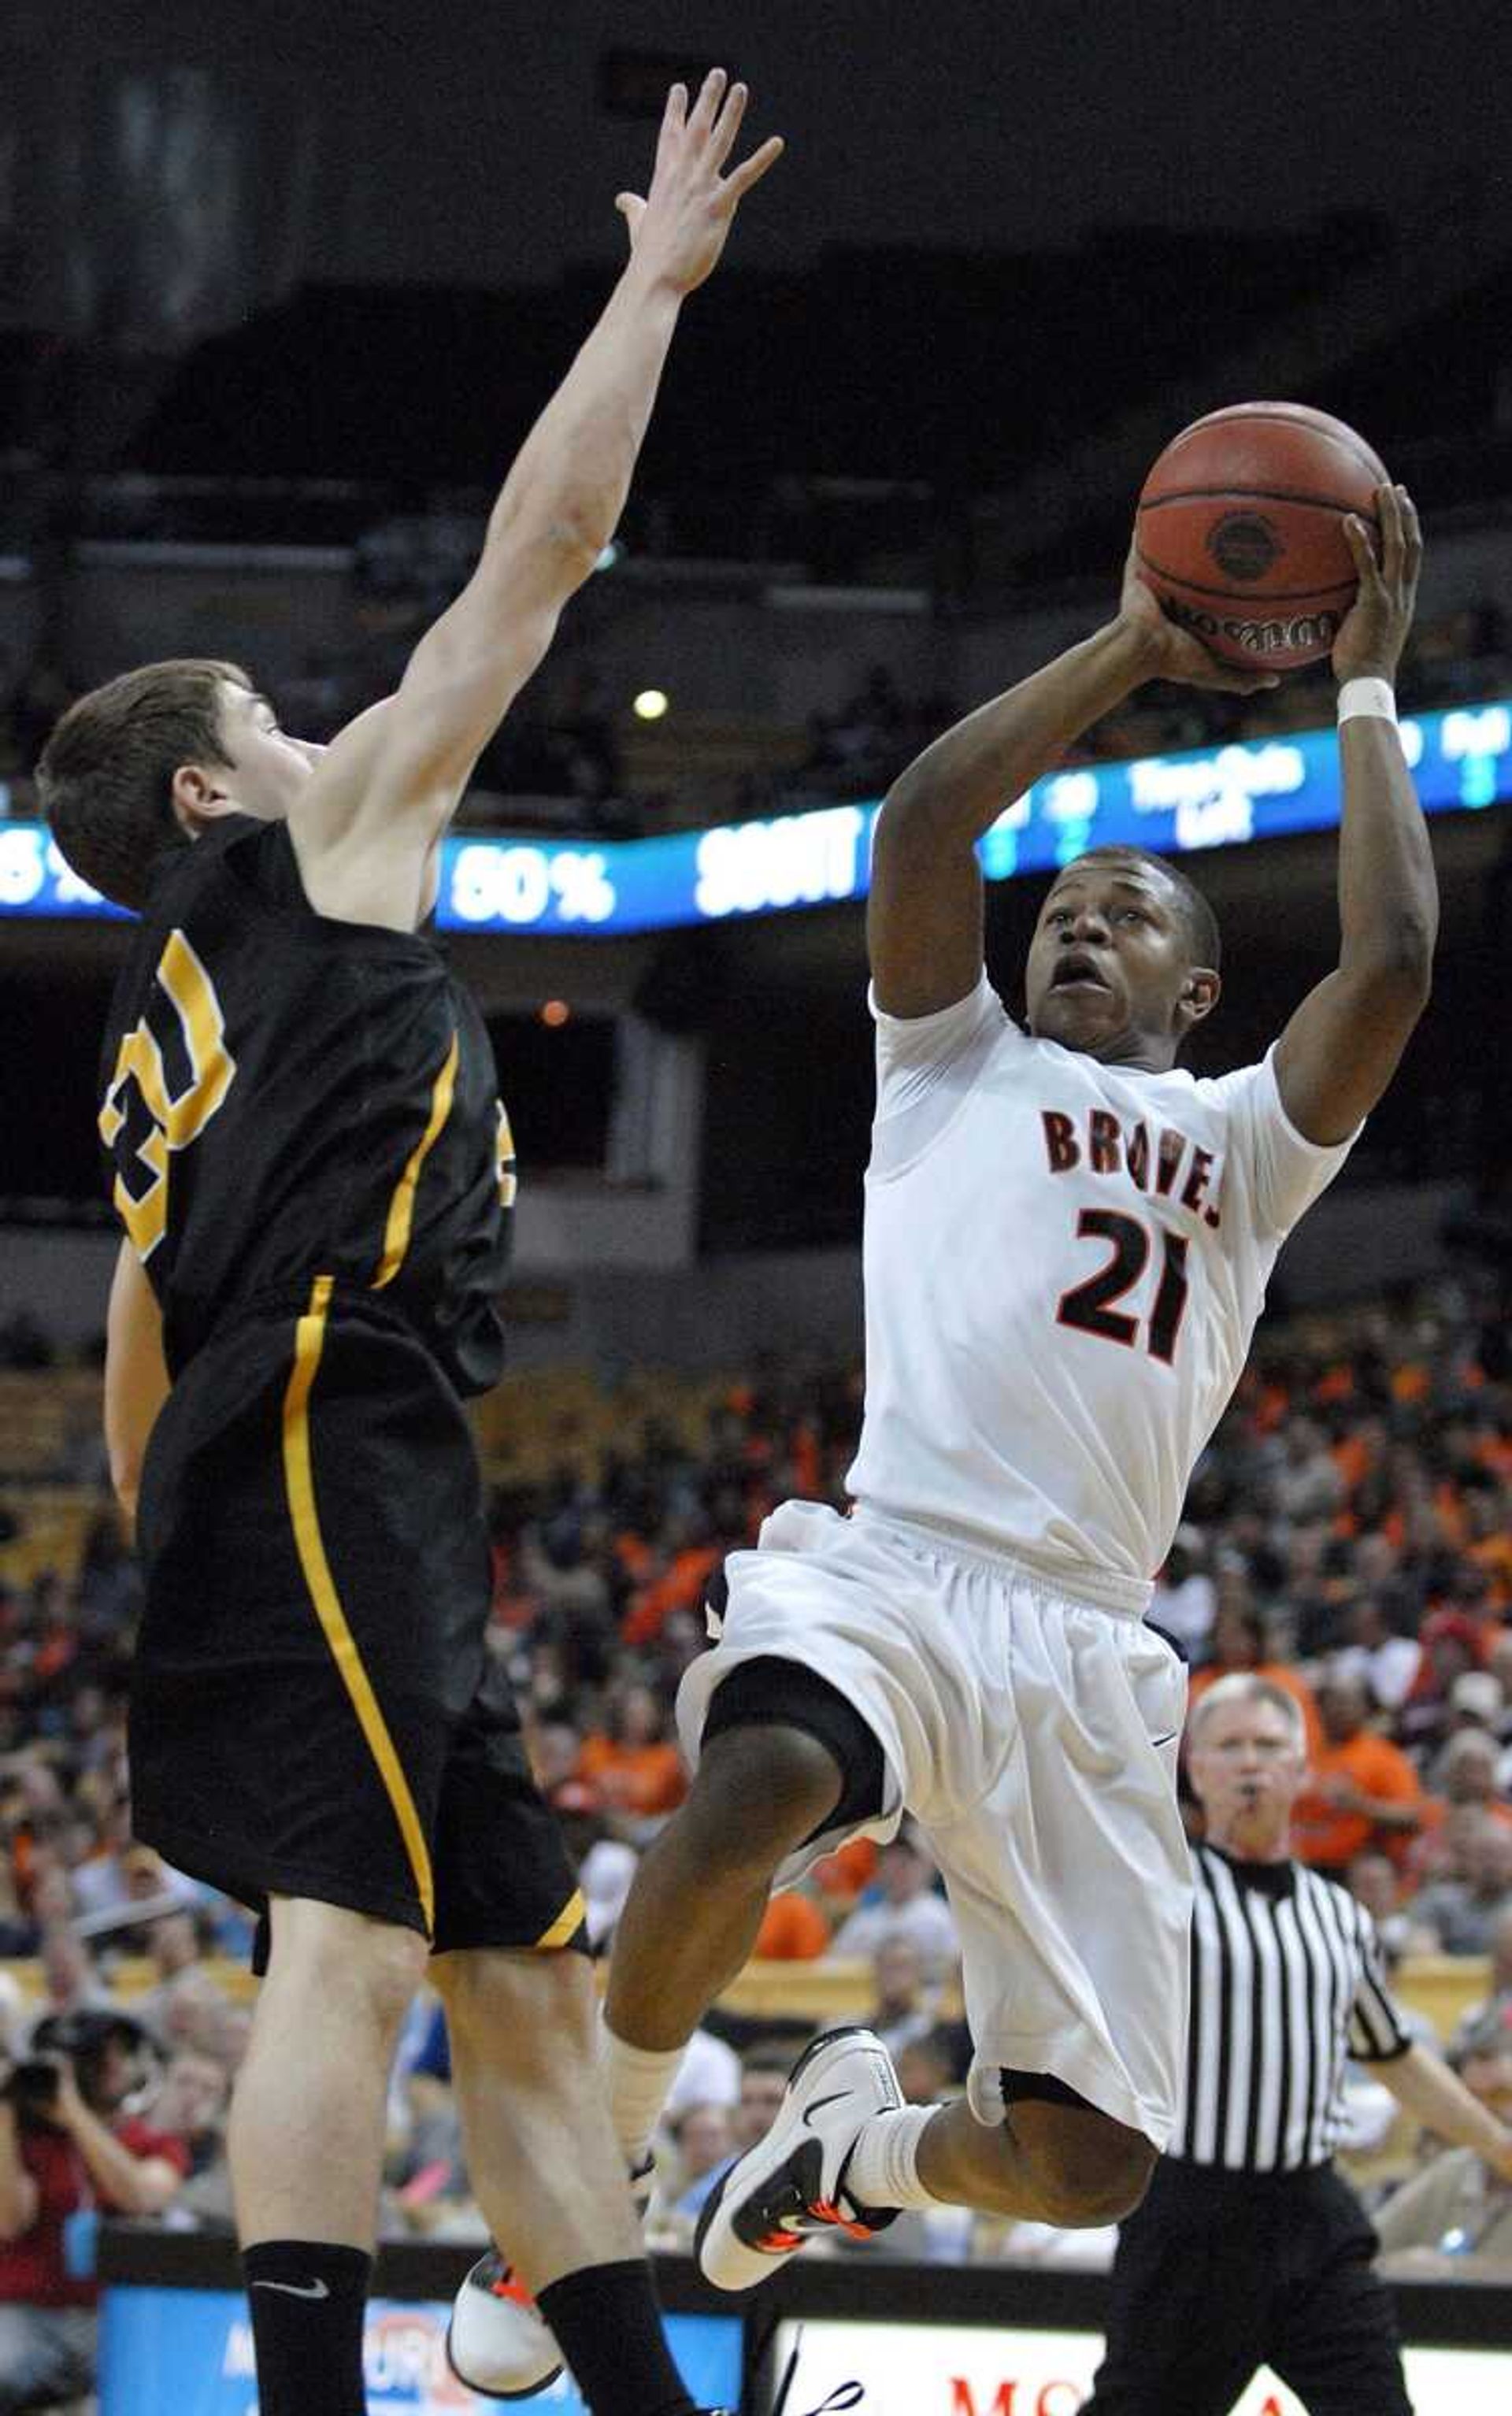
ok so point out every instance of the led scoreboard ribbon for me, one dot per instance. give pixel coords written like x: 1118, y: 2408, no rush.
x: 1215, y: 798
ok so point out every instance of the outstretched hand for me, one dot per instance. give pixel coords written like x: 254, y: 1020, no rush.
x: 1374, y: 631
x: 678, y: 230
x: 1171, y: 652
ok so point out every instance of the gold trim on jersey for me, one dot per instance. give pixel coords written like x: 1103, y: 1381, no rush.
x: 566, y: 1925
x: 401, y: 1206
x: 504, y: 1153
x: 309, y: 1337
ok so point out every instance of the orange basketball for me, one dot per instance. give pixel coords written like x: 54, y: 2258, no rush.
x: 1241, y: 530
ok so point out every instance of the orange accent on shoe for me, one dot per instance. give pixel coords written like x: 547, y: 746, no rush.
x: 777, y: 2244
x: 827, y: 2211
x: 509, y: 2286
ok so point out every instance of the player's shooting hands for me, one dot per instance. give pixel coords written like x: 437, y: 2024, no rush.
x: 678, y: 230
x: 1168, y: 651
x: 1374, y: 631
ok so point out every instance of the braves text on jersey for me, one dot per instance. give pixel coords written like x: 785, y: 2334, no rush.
x: 1065, y: 1262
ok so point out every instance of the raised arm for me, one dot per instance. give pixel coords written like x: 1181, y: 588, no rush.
x: 389, y: 783
x: 1341, y: 1047
x: 924, y: 916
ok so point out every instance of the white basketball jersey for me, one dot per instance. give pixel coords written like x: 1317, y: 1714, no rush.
x: 1065, y: 1262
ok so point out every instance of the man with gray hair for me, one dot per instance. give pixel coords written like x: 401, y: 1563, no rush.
x: 1245, y: 2209
x: 1461, y: 1914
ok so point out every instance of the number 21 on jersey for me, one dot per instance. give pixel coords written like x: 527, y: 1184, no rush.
x: 171, y: 1072
x: 1089, y: 1306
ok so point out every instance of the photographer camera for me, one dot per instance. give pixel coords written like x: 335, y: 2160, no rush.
x: 67, y: 2149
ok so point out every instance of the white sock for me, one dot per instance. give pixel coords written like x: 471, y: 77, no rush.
x: 637, y: 2082
x: 883, y: 2166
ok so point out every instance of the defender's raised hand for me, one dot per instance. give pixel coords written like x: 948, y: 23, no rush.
x: 678, y: 230
x: 1374, y: 631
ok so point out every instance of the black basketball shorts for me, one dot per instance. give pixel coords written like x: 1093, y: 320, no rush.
x: 314, y: 1711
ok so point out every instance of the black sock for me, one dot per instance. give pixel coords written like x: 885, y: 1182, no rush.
x: 308, y: 2299
x: 609, y: 2330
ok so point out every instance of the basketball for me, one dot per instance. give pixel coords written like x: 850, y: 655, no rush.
x: 1240, y: 530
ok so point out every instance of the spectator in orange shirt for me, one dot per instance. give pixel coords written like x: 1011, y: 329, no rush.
x: 807, y: 1468
x: 846, y: 1874
x: 679, y: 1583
x: 1411, y: 1380
x: 1363, y: 1791
x: 793, y: 1930
x: 1241, y: 1640
x: 630, y: 1762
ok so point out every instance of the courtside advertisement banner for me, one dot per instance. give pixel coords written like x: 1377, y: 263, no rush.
x: 924, y: 2370
x: 191, y: 2352
x: 1222, y: 796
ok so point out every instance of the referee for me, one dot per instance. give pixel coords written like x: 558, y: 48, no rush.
x: 1249, y: 2249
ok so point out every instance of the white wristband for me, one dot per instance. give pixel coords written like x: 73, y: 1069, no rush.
x: 1370, y: 699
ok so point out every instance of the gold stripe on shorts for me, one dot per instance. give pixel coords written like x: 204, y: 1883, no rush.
x: 566, y: 1925
x: 401, y: 1206
x: 310, y: 1336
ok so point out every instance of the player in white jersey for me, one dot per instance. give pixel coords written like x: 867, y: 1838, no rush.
x: 1067, y: 1242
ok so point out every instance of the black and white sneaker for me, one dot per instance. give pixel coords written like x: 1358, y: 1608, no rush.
x: 498, y: 2342
x: 793, y: 2184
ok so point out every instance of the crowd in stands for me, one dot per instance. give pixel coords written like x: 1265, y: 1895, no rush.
x: 857, y: 752
x: 1348, y: 1531
x: 561, y: 759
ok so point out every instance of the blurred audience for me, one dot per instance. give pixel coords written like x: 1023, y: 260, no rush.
x: 705, y: 2147
x: 1347, y: 1531
x: 904, y: 1903
x: 564, y: 759
x: 1460, y: 1915
x: 901, y: 2005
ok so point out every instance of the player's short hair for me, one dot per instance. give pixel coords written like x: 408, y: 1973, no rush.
x: 1201, y: 923
x: 1242, y: 1687
x: 105, y: 776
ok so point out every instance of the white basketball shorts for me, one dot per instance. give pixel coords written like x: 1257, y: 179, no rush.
x: 1034, y: 1738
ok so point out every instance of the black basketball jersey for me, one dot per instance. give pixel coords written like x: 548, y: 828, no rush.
x: 286, y: 1097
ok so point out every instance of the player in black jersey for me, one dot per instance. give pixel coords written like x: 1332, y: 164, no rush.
x: 313, y: 1171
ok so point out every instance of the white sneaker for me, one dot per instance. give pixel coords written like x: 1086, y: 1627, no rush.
x: 498, y: 2342
x: 791, y: 2183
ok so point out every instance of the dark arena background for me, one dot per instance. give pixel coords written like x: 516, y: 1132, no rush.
x: 282, y: 291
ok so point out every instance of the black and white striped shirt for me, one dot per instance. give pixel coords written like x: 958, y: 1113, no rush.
x: 1287, y: 1983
